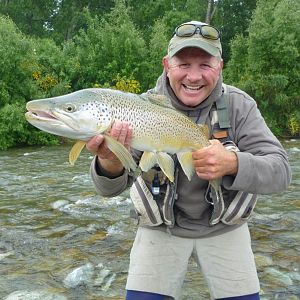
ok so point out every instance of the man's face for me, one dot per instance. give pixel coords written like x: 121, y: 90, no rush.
x: 193, y: 74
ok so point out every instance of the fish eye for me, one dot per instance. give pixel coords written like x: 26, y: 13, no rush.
x: 70, y: 107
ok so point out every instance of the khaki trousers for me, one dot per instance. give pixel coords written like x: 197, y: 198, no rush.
x: 159, y: 261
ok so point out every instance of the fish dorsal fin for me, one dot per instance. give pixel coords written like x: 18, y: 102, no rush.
x: 121, y: 152
x: 75, y: 151
x: 160, y: 100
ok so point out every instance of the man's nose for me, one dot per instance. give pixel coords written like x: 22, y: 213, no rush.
x: 194, y: 74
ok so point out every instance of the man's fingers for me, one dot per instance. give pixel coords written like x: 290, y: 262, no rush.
x: 122, y: 132
x: 215, y: 143
x: 119, y: 131
x: 128, y: 137
x: 93, y: 144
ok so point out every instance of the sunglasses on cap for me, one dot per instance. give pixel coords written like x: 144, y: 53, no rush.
x: 207, y: 31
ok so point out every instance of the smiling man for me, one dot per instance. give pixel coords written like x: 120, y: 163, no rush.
x: 193, y: 74
x: 185, y: 218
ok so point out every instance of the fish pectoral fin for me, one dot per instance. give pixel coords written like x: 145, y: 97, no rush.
x: 121, y: 152
x: 166, y: 164
x: 148, y: 160
x: 75, y: 151
x: 186, y: 162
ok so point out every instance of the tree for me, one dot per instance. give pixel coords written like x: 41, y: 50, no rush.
x: 51, y: 71
x: 145, y: 13
x: 17, y: 62
x: 70, y: 16
x: 209, y: 11
x: 232, y: 17
x: 157, y: 50
x: 270, y: 55
x: 31, y: 16
x: 21, y: 59
x: 108, y: 48
x: 58, y: 19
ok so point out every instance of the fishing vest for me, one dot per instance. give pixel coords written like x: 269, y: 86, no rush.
x: 153, y: 196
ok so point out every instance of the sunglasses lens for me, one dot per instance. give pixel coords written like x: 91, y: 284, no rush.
x: 185, y: 30
x: 210, y: 32
x: 206, y: 31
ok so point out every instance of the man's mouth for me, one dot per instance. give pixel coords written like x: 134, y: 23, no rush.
x: 192, y: 87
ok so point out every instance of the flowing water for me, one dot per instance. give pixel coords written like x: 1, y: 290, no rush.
x: 60, y: 240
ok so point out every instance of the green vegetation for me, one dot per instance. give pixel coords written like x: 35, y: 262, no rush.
x: 266, y: 63
x: 54, y: 47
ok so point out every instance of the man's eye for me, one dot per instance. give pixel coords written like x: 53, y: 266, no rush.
x: 205, y: 66
x: 184, y: 66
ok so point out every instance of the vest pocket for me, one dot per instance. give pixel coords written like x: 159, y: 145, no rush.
x: 240, y: 208
x: 145, y: 206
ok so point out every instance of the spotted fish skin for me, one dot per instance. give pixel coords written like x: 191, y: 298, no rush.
x: 158, y: 129
x: 155, y: 127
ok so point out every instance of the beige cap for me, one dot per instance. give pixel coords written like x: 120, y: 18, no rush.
x: 213, y: 47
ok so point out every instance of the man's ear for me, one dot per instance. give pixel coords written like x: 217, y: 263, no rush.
x: 165, y: 62
x: 222, y: 64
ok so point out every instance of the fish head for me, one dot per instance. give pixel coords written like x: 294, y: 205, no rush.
x: 78, y: 115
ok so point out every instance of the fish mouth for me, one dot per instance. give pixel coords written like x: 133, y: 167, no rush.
x: 40, y: 115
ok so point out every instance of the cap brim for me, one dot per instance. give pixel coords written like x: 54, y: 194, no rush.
x: 197, y: 43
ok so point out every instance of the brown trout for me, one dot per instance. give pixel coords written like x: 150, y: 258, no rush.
x: 158, y: 129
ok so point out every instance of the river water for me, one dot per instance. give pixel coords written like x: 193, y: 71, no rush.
x: 60, y: 240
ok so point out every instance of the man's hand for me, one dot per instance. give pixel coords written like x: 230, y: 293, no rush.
x: 120, y: 131
x: 215, y: 161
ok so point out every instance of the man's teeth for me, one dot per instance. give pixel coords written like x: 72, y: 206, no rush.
x: 194, y: 88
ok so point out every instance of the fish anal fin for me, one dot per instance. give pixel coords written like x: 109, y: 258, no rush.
x: 148, y: 160
x: 75, y: 151
x: 121, y: 152
x: 186, y: 161
x: 166, y: 164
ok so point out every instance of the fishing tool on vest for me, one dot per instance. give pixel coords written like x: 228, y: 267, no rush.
x: 155, y: 185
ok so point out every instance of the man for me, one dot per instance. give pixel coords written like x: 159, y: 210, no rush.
x: 192, y: 79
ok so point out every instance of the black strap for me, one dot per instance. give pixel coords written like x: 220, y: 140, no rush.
x: 222, y: 109
x: 220, y: 128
